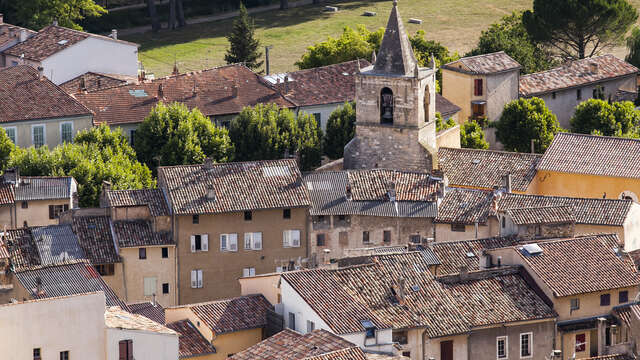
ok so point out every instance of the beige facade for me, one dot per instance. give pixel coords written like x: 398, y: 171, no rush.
x: 36, y: 212
x: 457, y: 232
x: 24, y: 130
x: 268, y: 285
x: 145, y: 278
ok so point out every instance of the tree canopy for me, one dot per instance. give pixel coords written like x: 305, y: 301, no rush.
x: 472, y: 136
x: 36, y: 14
x: 243, y: 46
x: 341, y: 128
x: 174, y: 135
x: 510, y: 35
x: 578, y: 29
x: 596, y: 116
x: 633, y: 45
x: 268, y: 132
x: 524, y: 120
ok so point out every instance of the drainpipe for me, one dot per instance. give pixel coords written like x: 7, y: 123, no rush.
x: 422, y: 349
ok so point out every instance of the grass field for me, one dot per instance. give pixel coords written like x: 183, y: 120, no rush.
x: 455, y: 23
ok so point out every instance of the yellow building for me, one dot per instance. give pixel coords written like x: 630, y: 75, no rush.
x: 229, y: 325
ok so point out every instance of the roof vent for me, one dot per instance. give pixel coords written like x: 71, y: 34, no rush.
x: 531, y: 250
x: 470, y: 254
x: 475, y: 161
x: 211, y: 192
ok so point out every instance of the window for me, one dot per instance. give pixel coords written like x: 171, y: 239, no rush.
x: 501, y: 347
x: 195, y: 219
x: 365, y: 237
x: 165, y: 252
x: 105, y: 269
x: 37, y: 135
x: 132, y: 136
x: 320, y: 239
x: 575, y: 304
x: 125, y: 350
x: 581, y: 342
x: 415, y: 239
x: 477, y: 110
x: 248, y: 272
x: 253, y: 241
x: 248, y: 216
x: 25, y: 205
x: 165, y: 288
x: 286, y: 214
x: 457, y: 227
x: 605, y: 299
x: 310, y: 326
x: 228, y: 242
x: 150, y: 286
x: 196, y: 279
x: 142, y: 253
x: 11, y: 133
x: 386, y: 236
x: 56, y: 210
x: 526, y: 345
x: 369, y: 328
x: 66, y: 132
x: 36, y: 354
x: 386, y: 106
x: 553, y: 95
x: 64, y: 355
x: 623, y: 297
x: 199, y: 242
x: 401, y: 337
x: 291, y: 238
x: 579, y: 94
x: 477, y: 87
x: 292, y: 321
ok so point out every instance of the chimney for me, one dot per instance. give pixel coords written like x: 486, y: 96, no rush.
x: 55, y: 22
x: 114, y: 34
x: 286, y: 84
x: 485, y: 260
x: 507, y: 182
x: 391, y: 191
x: 23, y: 35
x: 40, y: 73
x: 211, y: 193
x: 98, y: 83
x: 593, y: 67
x: 141, y: 75
x: 234, y: 90
x: 160, y: 91
x: 175, y: 71
x: 1, y: 18
x: 399, y: 290
x: 208, y: 163
x: 348, y: 192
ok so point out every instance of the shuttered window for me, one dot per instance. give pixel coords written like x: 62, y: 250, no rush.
x: 125, y: 350
x: 477, y: 87
x: 196, y: 279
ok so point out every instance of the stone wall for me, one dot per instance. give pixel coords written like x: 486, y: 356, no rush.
x: 547, y: 231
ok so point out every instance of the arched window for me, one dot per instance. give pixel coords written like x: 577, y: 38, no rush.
x: 427, y: 100
x: 386, y: 106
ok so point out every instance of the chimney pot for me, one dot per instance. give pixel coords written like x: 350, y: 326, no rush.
x: 114, y: 34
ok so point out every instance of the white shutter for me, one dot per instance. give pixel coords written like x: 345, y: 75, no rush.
x: 245, y: 272
x: 194, y: 279
x: 205, y: 242
x: 247, y: 241
x: 285, y: 238
x: 193, y: 243
x: 257, y: 241
x: 295, y: 238
x: 223, y: 242
x: 279, y: 269
x: 233, y: 242
x: 252, y: 271
x: 199, y: 278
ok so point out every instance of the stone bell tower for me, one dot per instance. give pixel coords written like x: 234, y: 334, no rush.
x: 395, y: 108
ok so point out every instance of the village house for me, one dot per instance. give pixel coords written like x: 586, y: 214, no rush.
x: 11, y: 35
x: 36, y: 112
x: 149, y: 309
x: 223, y: 234
x: 92, y: 81
x: 227, y: 326
x: 365, y: 208
x: 64, y: 54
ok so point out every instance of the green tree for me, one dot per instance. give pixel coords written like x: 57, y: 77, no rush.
x: 267, y: 132
x: 472, y: 136
x: 244, y: 47
x: 6, y: 148
x: 341, y: 128
x: 510, y: 36
x: 610, y: 119
x: 633, y: 45
x: 442, y: 125
x: 579, y: 29
x: 174, y: 135
x: 524, y: 120
x: 36, y: 14
x: 423, y: 49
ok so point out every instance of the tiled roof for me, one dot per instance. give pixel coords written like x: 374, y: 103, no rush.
x: 211, y: 91
x: 151, y: 311
x: 575, y: 73
x: 374, y: 184
x: 51, y: 40
x: 273, y: 184
x: 22, y: 249
x: 94, y: 81
x: 291, y: 345
x: 484, y: 64
x: 327, y: 191
x: 136, y: 233
x: 44, y: 188
x: 454, y: 255
x: 370, y: 292
x: 57, y: 244
x: 542, y: 215
x: 192, y: 343
x: 11, y: 33
x: 23, y: 96
x: 610, y: 357
x: 116, y: 318
x: 445, y: 107
x: 7, y: 194
x: 68, y: 279
x: 593, y: 155
x: 352, y: 353
x: 318, y: 86
x: 154, y: 198
x: 574, y: 266
x: 94, y: 234
x: 485, y: 168
x: 228, y: 315
x: 464, y: 206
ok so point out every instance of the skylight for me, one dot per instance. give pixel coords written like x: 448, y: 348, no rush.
x: 62, y: 42
x: 138, y: 93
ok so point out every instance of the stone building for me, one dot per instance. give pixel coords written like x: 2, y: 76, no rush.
x: 538, y: 222
x: 395, y: 112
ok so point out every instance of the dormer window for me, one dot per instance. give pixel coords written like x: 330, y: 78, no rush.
x: 369, y: 328
x: 386, y: 106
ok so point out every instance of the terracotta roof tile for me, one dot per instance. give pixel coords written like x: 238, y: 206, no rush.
x: 593, y: 155
x: 154, y: 198
x: 95, y: 81
x: 484, y: 64
x: 22, y: 249
x: 485, y: 168
x: 273, y: 184
x: 94, y: 234
x: 116, y: 318
x: 464, y: 206
x: 445, y: 107
x: 408, y: 186
x: 575, y: 73
x: 192, y: 343
x: 542, y: 215
x: 44, y: 188
x: 454, y: 255
x: 136, y: 233
x: 229, y: 315
x: 353, y: 353
x: 149, y: 310
x: 23, y: 96
x: 213, y: 95
x: 11, y: 34
x: 7, y: 194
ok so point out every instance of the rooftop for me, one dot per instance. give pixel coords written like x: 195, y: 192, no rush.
x: 11, y: 33
x: 454, y: 255
x: 92, y: 81
x: 44, y: 188
x: 191, y: 342
x: 542, y: 215
x: 484, y: 64
x: 137, y: 233
x: 116, y: 318
x: 575, y: 73
x: 445, y: 107
x: 464, y: 206
x: 149, y: 310
x: 154, y: 198
x: 57, y: 244
x: 95, y: 237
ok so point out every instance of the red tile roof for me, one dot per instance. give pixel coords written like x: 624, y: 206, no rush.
x: 374, y: 184
x: 154, y: 198
x: 137, y: 233
x: 95, y: 81
x: 575, y: 73
x: 211, y: 91
x: 465, y: 206
x: 95, y: 237
x: 352, y: 353
x: 445, y: 107
x: 466, y: 253
x: 542, y: 215
x: 149, y: 310
x: 191, y: 342
x: 484, y: 64
x: 24, y: 96
x: 9, y: 33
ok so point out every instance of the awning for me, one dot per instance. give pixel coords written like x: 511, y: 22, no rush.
x: 584, y: 323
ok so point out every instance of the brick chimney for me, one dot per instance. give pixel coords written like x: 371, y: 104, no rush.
x: 234, y: 90
x: 82, y: 86
x: 160, y: 91
x: 286, y: 84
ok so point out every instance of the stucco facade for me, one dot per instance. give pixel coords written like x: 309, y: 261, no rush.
x: 161, y: 270
x: 267, y: 285
x: 444, y: 232
x: 147, y: 345
x: 37, y: 211
x: 52, y: 129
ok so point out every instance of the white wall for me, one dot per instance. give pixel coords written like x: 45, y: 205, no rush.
x: 324, y: 111
x: 501, y: 89
x: 632, y: 228
x: 74, y: 324
x: 146, y: 345
x: 92, y: 54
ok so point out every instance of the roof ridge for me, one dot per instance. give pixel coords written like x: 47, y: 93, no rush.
x: 224, y: 163
x: 480, y: 55
x: 490, y: 151
x: 597, y: 136
x: 570, y: 63
x: 568, y: 197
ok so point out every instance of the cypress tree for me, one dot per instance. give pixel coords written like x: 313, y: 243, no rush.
x: 243, y: 45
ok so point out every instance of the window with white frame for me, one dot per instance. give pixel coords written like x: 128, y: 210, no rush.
x: 37, y: 135
x: 228, y: 242
x: 281, y: 269
x: 526, y: 345
x: 199, y: 242
x: 248, y: 272
x: 501, y: 347
x: 196, y: 279
x: 310, y: 326
x: 291, y: 238
x: 11, y: 133
x: 253, y: 241
x: 66, y: 132
x: 150, y: 286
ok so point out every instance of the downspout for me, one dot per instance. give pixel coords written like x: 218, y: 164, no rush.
x: 422, y: 350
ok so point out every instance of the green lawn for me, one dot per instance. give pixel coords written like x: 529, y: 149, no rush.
x: 455, y: 23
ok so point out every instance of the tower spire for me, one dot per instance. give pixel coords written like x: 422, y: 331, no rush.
x: 395, y: 56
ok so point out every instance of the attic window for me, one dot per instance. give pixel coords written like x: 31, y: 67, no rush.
x: 369, y: 328
x: 62, y: 42
x: 531, y: 249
